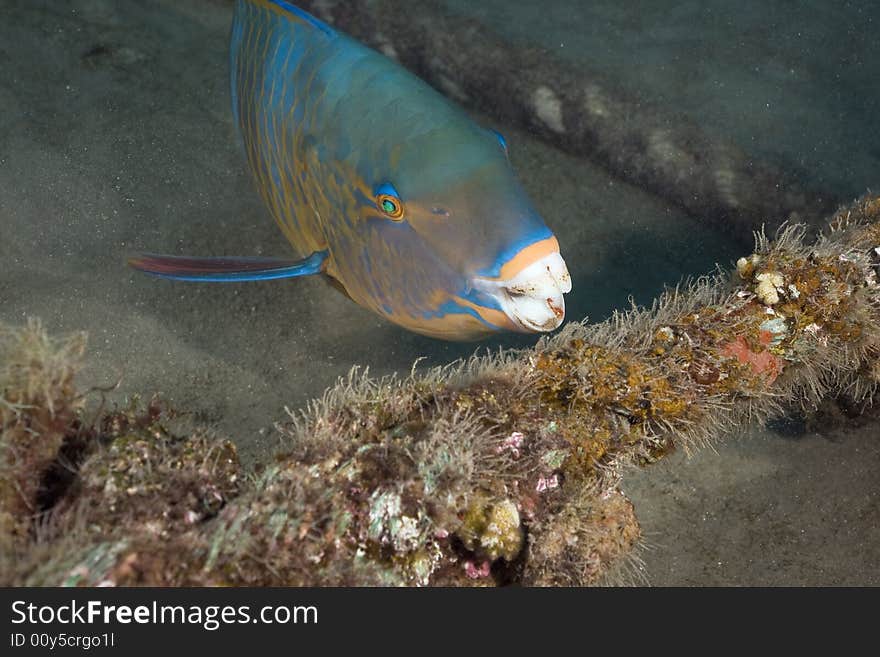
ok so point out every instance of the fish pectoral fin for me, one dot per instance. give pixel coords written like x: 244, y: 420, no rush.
x: 227, y: 270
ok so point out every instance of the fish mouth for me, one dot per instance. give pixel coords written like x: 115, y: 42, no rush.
x: 533, y: 298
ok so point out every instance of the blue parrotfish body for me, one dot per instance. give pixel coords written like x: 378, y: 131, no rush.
x: 382, y: 184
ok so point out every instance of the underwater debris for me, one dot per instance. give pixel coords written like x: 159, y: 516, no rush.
x: 500, y: 469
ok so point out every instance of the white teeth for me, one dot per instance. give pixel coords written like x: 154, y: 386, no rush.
x: 559, y: 272
x: 533, y: 298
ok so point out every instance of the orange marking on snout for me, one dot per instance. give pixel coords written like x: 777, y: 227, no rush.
x: 527, y: 256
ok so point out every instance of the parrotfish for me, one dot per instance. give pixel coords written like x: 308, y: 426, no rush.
x: 382, y: 185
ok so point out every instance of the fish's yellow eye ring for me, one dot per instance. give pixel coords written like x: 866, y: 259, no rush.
x: 391, y: 206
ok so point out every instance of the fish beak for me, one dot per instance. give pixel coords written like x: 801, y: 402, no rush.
x: 532, y: 299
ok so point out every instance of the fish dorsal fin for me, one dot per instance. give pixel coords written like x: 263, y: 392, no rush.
x: 226, y: 270
x: 297, y: 14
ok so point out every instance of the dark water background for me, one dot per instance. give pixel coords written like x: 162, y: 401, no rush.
x: 116, y: 136
x: 791, y: 82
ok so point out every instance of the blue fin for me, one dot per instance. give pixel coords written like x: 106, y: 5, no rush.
x: 226, y: 270
x: 303, y: 15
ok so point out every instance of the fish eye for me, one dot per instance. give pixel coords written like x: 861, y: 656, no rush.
x: 390, y: 206
x: 388, y: 201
